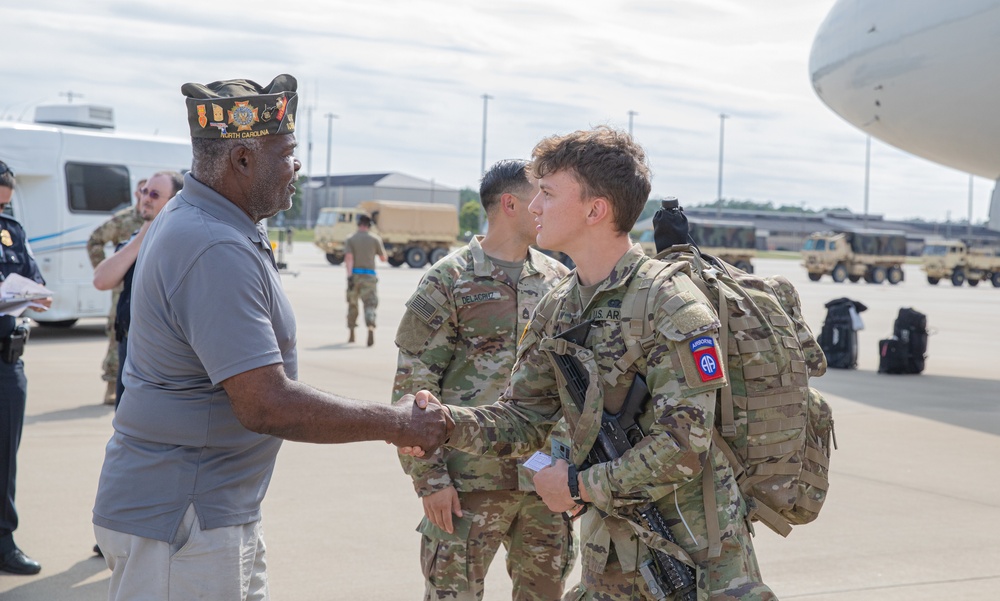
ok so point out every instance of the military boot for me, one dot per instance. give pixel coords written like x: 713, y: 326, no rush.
x: 371, y: 335
x: 111, y: 393
x: 351, y: 337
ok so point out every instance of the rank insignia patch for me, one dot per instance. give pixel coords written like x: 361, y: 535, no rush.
x: 706, y: 360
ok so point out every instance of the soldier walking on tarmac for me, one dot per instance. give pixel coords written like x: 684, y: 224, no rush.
x: 114, y: 231
x: 359, y: 261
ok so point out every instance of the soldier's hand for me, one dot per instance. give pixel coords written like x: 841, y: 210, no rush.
x: 552, y: 485
x: 427, y: 425
x: 439, y: 507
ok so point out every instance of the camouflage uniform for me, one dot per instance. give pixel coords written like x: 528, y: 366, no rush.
x: 668, y: 466
x: 116, y: 230
x: 458, y: 339
x: 365, y: 246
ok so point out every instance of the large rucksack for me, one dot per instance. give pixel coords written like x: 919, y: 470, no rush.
x: 839, y: 336
x: 775, y: 430
x: 906, y: 351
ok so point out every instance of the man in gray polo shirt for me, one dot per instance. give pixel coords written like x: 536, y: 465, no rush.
x: 210, y: 374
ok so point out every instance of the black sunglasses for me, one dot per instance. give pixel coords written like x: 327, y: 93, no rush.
x: 4, y: 169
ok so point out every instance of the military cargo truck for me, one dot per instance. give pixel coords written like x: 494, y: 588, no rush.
x: 412, y: 232
x: 956, y: 261
x: 732, y: 241
x: 875, y: 256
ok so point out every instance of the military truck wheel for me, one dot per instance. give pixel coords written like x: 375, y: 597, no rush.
x: 876, y: 275
x: 815, y: 276
x: 395, y: 261
x: 416, y: 257
x: 973, y: 283
x: 895, y: 275
x: 437, y: 254
x: 333, y: 259
x: 744, y: 265
x: 839, y: 273
x: 854, y: 279
x: 957, y: 277
x: 933, y: 281
x: 996, y: 279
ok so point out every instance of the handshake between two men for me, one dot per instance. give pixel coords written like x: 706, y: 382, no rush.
x: 552, y: 483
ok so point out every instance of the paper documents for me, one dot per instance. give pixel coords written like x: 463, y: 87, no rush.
x: 18, y: 293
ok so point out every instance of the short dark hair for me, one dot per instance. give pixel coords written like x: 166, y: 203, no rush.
x: 176, y: 180
x: 364, y: 220
x: 505, y: 177
x: 605, y: 162
x: 210, y: 158
x: 6, y: 176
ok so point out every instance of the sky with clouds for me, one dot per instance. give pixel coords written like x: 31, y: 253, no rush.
x: 405, y: 79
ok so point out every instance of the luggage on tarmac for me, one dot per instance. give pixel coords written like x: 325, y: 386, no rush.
x: 906, y: 351
x: 839, y: 336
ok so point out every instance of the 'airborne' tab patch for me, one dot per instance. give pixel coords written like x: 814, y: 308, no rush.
x: 706, y: 360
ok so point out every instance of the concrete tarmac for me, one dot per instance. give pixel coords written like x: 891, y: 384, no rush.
x: 913, y: 512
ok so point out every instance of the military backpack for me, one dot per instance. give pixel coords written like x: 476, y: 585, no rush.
x: 773, y: 427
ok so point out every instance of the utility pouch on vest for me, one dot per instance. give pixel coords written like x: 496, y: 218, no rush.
x: 13, y: 345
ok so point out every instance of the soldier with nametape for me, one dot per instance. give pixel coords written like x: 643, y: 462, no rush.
x: 458, y: 339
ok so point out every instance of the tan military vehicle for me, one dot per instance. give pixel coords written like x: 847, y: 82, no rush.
x: 412, y: 232
x: 732, y: 241
x: 954, y: 260
x: 871, y: 255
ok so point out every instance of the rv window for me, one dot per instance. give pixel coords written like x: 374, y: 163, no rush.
x: 97, y: 188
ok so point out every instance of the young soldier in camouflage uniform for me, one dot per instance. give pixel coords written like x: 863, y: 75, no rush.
x: 457, y: 339
x: 359, y: 261
x: 593, y: 187
x: 114, y: 231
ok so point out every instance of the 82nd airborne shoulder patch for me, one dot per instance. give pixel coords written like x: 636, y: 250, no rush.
x: 706, y: 359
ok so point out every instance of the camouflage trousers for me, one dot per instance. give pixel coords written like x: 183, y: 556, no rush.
x: 109, y: 366
x: 540, y: 549
x: 733, y: 576
x: 363, y: 290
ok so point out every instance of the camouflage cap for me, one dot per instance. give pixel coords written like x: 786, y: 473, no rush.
x: 240, y: 108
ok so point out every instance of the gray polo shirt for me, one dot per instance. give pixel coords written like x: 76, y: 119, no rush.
x: 207, y: 304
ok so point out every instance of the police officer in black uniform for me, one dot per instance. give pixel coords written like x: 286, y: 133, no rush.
x: 15, y: 257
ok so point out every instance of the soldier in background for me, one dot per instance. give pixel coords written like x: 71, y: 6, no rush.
x: 359, y: 261
x: 458, y: 339
x: 114, y: 231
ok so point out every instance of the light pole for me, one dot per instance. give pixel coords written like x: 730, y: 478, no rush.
x: 329, y: 150
x: 482, y: 163
x: 722, y: 146
x: 968, y: 231
x: 308, y: 194
x: 868, y: 163
x: 630, y: 115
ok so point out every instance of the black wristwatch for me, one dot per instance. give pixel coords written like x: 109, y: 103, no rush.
x: 574, y: 486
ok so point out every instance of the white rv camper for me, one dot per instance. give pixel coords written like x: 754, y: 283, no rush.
x: 73, y: 172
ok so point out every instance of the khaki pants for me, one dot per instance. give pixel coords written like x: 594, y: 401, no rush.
x: 221, y: 563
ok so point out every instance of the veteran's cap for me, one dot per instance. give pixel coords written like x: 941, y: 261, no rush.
x: 240, y: 108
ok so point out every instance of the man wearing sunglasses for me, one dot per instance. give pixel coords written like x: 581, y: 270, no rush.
x: 118, y: 269
x: 15, y: 257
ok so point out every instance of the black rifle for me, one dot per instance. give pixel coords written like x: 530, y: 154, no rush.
x: 665, y: 575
